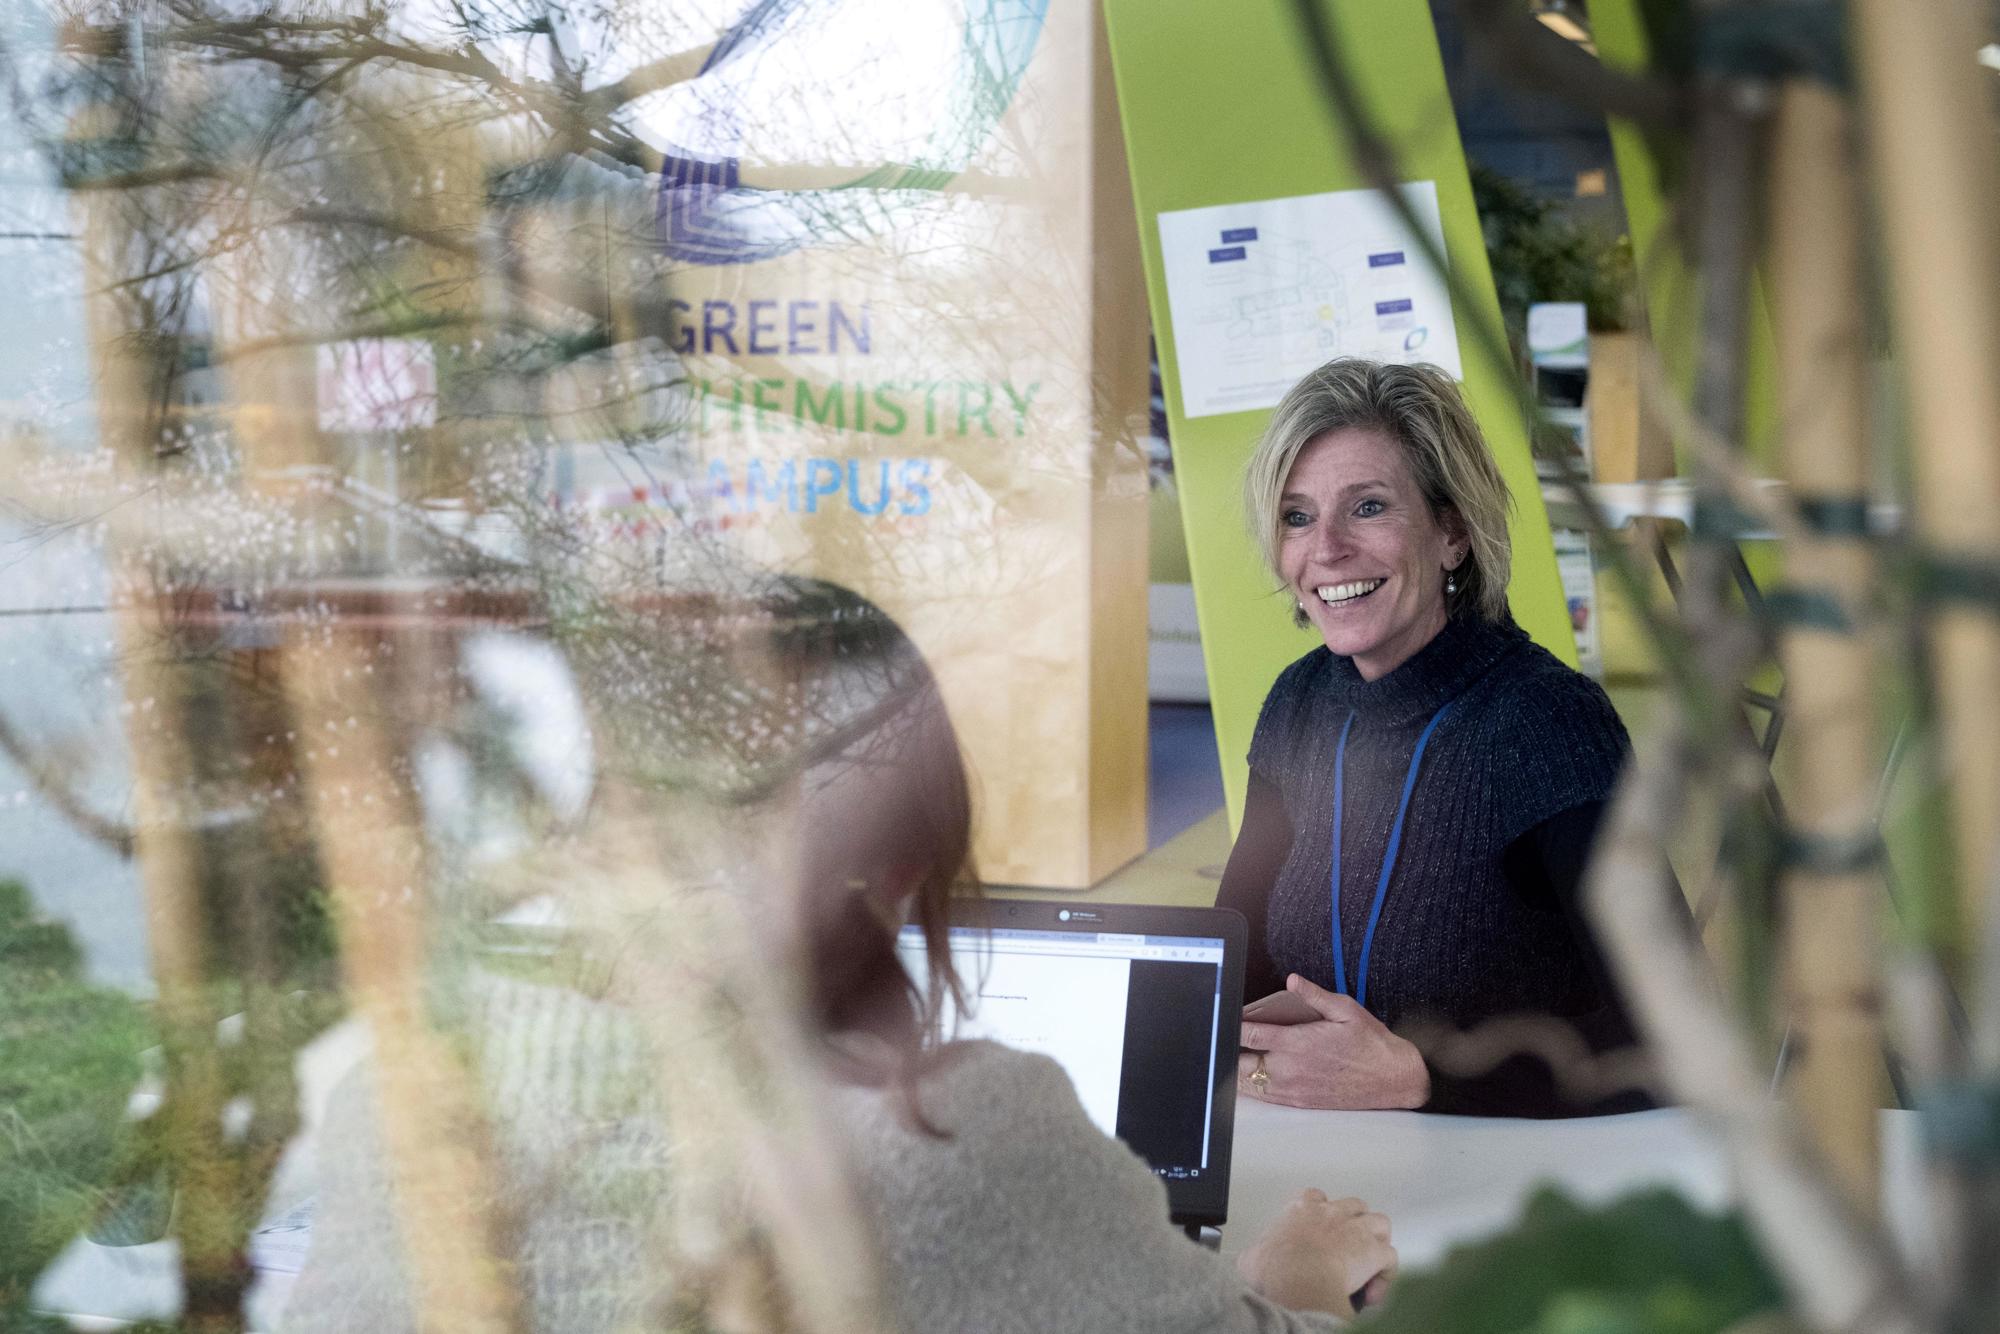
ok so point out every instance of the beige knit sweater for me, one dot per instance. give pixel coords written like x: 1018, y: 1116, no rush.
x: 1028, y: 1219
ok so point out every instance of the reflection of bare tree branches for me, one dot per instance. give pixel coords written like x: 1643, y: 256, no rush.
x: 328, y: 50
x: 280, y: 198
x: 543, y: 265
x: 42, y: 775
x: 328, y: 215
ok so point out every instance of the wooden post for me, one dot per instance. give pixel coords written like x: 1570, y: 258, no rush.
x: 1830, y: 944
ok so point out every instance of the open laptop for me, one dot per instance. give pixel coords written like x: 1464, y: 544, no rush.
x: 1140, y: 1005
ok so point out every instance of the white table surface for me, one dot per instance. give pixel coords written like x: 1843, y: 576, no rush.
x: 1443, y: 1180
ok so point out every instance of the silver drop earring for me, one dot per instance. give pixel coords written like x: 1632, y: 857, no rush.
x: 1450, y: 582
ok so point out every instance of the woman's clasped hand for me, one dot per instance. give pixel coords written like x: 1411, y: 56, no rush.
x: 1346, y: 1059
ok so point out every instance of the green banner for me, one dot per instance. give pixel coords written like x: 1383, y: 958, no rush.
x: 1222, y: 106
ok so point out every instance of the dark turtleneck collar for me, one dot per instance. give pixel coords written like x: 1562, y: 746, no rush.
x: 1457, y: 656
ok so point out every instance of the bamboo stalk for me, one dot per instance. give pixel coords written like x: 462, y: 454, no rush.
x: 1830, y: 941
x: 208, y: 1220
x: 1838, y: 1270
x: 1930, y: 141
x: 1930, y: 146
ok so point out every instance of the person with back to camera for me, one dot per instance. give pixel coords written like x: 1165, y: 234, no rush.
x: 1424, y: 789
x: 997, y: 1204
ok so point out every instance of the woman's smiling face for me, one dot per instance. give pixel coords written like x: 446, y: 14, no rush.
x: 1360, y: 549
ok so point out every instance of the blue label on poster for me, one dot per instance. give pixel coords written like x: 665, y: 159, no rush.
x: 1402, y: 307
x: 1234, y: 234
x: 1385, y: 259
x: 1227, y: 253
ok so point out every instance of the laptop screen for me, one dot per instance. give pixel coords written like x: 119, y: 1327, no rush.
x: 1135, y: 1004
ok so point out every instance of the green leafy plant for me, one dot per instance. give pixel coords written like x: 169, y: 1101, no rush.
x: 1646, y: 1264
x: 69, y: 1059
x: 1540, y: 255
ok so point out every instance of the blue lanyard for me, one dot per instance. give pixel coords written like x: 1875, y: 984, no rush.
x: 1388, y: 857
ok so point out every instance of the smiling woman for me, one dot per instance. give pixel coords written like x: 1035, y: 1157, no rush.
x: 1361, y: 549
x: 1425, y: 787
x: 1439, y: 452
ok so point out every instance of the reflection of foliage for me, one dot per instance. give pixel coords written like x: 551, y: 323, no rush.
x: 69, y: 1059
x: 1540, y: 255
x: 1649, y: 1264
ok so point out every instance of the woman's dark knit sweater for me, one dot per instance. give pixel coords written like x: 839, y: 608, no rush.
x: 1481, y: 917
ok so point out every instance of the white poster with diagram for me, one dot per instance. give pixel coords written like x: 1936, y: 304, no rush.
x: 1262, y: 292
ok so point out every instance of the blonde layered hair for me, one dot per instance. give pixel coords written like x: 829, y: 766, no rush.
x: 1419, y: 407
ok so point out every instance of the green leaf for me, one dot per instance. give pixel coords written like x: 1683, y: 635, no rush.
x: 69, y: 1060
x: 1647, y: 1264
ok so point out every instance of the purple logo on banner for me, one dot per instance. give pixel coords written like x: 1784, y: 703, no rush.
x: 1385, y: 259
x: 1393, y: 307
x: 1234, y: 234
x: 1226, y: 254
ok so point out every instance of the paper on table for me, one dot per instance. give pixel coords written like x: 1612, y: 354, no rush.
x: 1264, y: 291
